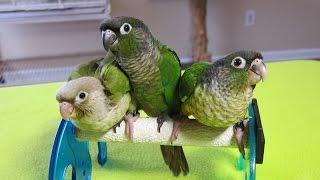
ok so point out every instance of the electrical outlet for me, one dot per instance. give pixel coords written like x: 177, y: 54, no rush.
x: 250, y: 18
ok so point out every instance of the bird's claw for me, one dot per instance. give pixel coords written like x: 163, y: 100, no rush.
x: 133, y: 113
x: 160, y: 120
x: 175, y: 130
x: 114, y: 128
x: 239, y: 129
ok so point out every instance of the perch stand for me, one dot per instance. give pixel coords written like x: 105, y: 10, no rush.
x: 71, y: 147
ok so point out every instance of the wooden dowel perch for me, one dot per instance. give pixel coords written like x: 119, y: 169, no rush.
x: 191, y: 133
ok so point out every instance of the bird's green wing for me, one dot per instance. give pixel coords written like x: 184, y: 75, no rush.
x: 170, y: 68
x: 114, y: 80
x: 190, y: 79
x: 86, y: 69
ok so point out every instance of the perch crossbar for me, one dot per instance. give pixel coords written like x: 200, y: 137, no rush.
x: 70, y: 149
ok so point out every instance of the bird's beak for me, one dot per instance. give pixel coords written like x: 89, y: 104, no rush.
x: 67, y: 110
x: 109, y: 39
x: 257, y: 71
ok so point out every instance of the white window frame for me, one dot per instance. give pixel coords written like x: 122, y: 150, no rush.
x: 54, y: 12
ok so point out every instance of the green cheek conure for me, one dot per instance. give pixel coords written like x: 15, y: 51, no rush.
x: 83, y: 101
x: 115, y: 85
x: 218, y: 94
x: 153, y: 70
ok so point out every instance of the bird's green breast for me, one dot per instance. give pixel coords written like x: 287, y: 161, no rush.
x: 147, y: 88
x: 217, y: 107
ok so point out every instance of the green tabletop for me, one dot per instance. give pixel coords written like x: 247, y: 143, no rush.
x: 289, y: 102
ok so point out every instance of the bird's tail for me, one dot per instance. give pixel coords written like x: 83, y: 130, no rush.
x: 176, y: 160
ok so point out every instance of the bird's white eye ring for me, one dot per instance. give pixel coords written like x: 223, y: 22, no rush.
x: 125, y: 28
x: 238, y: 62
x: 82, y: 96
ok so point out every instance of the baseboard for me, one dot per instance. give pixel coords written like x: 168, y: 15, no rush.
x: 292, y: 54
x: 282, y: 55
x: 36, y: 76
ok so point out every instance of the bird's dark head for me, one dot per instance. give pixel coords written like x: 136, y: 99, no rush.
x: 80, y: 97
x: 243, y: 67
x: 125, y: 35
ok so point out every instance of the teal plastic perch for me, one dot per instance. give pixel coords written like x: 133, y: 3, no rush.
x: 68, y: 150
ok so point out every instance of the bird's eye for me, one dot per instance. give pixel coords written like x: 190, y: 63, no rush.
x: 82, y: 95
x: 238, y: 62
x: 125, y: 28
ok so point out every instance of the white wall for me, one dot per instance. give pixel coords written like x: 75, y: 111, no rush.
x: 169, y: 20
x: 280, y: 25
x: 48, y: 39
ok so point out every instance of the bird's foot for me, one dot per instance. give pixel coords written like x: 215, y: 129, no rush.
x: 160, y: 120
x: 129, y: 120
x: 175, y: 130
x: 238, y: 130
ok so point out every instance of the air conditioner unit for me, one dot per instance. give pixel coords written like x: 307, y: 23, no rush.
x: 25, y: 11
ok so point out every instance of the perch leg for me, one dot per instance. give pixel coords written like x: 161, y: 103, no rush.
x: 67, y: 150
x: 238, y: 129
x: 130, y: 119
x: 102, y: 154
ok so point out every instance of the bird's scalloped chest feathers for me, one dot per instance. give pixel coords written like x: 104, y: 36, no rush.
x: 138, y: 54
x: 145, y: 79
x: 218, y: 104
